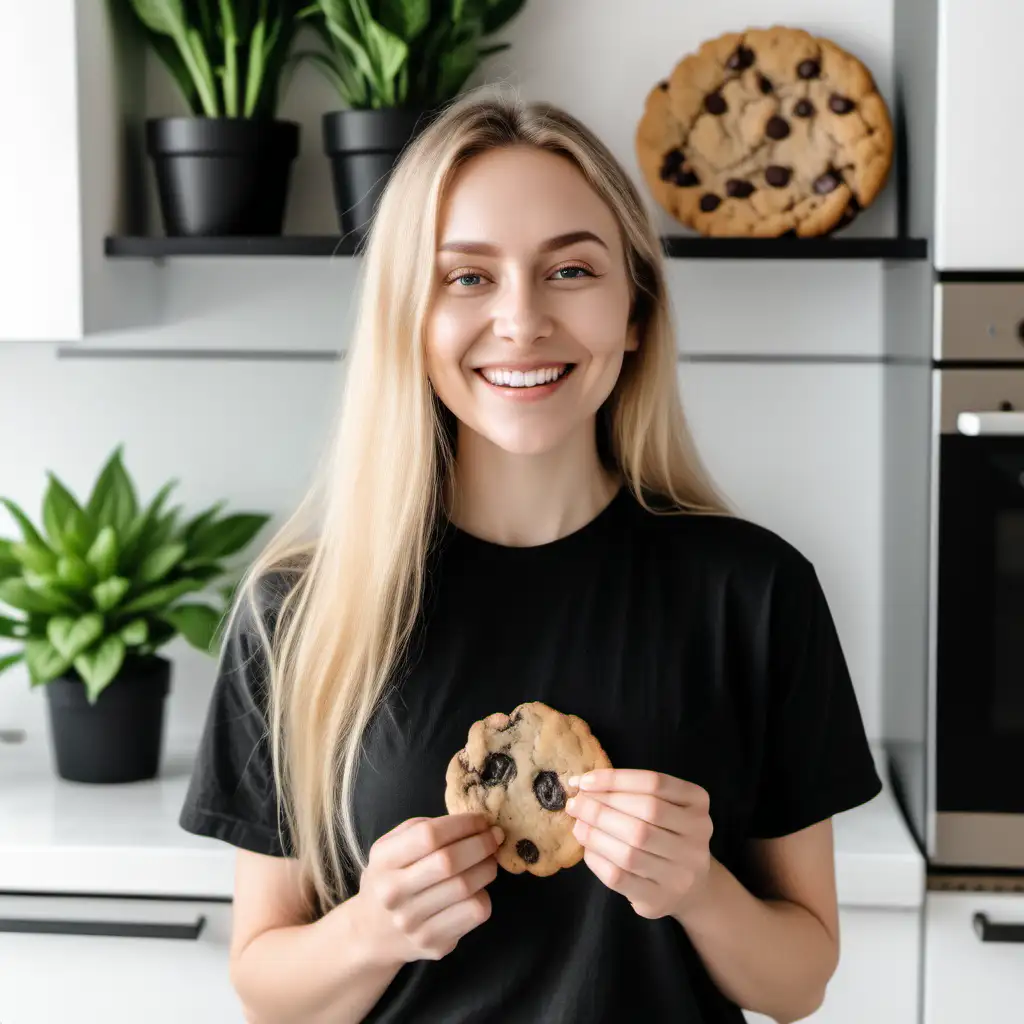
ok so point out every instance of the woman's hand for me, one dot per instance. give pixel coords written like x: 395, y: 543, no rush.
x: 423, y: 887
x: 645, y: 835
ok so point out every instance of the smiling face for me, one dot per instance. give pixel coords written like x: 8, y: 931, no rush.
x: 529, y: 322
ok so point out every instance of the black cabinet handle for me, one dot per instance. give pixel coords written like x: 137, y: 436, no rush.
x: 989, y: 932
x: 122, y: 929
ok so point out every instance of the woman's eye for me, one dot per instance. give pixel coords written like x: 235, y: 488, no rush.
x: 464, y: 278
x: 575, y: 273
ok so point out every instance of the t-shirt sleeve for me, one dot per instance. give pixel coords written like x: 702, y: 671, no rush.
x: 231, y: 795
x: 817, y: 760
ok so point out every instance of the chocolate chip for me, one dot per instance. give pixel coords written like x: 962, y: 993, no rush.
x: 499, y: 770
x: 808, y: 69
x: 528, y: 851
x: 548, y: 791
x: 803, y: 108
x: 737, y: 188
x: 776, y: 128
x: 709, y: 202
x: 840, y: 104
x: 685, y: 177
x: 827, y: 182
x: 671, y: 163
x: 776, y: 176
x: 853, y: 208
x: 765, y: 84
x: 741, y: 59
x: 663, y: 86
x: 715, y: 103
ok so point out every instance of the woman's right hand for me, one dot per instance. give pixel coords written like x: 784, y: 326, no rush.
x: 424, y: 885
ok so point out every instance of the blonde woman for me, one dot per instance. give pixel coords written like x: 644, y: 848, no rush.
x: 512, y: 510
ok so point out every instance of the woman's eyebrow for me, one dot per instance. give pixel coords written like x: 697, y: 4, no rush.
x: 557, y: 242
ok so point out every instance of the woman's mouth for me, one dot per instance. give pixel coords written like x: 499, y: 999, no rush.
x: 533, y: 383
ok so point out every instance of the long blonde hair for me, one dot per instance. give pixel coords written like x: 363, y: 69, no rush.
x: 363, y: 533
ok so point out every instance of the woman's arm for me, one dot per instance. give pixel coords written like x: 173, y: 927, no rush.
x: 774, y: 955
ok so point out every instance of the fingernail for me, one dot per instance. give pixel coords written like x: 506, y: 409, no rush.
x: 573, y: 781
x: 498, y: 833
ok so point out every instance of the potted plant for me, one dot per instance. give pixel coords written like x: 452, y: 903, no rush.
x: 225, y: 169
x: 394, y: 64
x: 93, y: 596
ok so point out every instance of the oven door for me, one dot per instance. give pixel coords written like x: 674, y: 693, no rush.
x: 979, y: 640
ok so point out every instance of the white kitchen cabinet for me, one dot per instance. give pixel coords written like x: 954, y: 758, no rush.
x: 65, y: 97
x: 966, y: 978
x: 797, y: 448
x: 979, y: 205
x: 105, y: 979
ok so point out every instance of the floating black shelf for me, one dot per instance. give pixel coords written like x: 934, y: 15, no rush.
x: 675, y: 246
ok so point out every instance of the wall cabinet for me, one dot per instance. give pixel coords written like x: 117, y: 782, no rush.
x: 109, y: 979
x: 65, y: 105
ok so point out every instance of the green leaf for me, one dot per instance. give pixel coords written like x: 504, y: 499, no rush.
x: 113, y: 501
x: 136, y: 540
x: 357, y: 53
x: 44, y: 661
x: 16, y: 593
x: 167, y: 50
x: 34, y: 557
x: 161, y: 596
x: 229, y: 77
x: 197, y: 623
x: 499, y: 12
x: 226, y: 536
x: 257, y: 64
x: 135, y: 632
x: 157, y: 564
x: 391, y: 53
x: 14, y: 628
x: 66, y: 523
x: 164, y: 16
x: 99, y: 667
x: 198, y: 523
x: 455, y: 67
x: 74, y: 572
x: 9, y: 660
x: 405, y: 18
x: 9, y: 565
x: 28, y: 532
x: 71, y: 637
x: 48, y: 586
x: 102, y: 556
x: 109, y: 593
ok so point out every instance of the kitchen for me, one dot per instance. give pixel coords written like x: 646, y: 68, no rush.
x: 819, y: 383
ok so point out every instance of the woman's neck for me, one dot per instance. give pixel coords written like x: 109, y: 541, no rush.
x: 525, y: 500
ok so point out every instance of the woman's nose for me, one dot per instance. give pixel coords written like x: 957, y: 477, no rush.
x: 520, y: 313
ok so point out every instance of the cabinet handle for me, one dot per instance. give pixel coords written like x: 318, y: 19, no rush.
x: 122, y: 929
x: 989, y: 932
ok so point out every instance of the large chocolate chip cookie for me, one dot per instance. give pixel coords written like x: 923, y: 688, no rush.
x: 764, y: 133
x: 514, y: 769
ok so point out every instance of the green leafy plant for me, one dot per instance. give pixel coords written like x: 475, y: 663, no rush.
x: 407, y: 54
x: 102, y: 582
x: 227, y: 56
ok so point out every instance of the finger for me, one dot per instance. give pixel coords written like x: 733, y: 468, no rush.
x: 436, y: 898
x: 405, y: 847
x: 634, y: 780
x: 443, y: 931
x: 402, y: 826
x: 621, y: 854
x: 449, y: 861
x: 633, y: 887
x: 633, y: 831
x: 650, y: 809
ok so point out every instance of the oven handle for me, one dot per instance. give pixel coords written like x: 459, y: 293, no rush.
x: 989, y: 932
x: 981, y: 424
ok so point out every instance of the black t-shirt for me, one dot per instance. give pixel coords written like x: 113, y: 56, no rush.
x: 697, y: 646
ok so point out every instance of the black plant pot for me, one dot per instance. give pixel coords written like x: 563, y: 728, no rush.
x: 120, y: 737
x: 222, y: 175
x: 363, y: 146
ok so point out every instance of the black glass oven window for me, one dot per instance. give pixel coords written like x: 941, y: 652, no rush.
x: 1008, y: 624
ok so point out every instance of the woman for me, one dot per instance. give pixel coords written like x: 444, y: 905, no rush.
x: 512, y: 511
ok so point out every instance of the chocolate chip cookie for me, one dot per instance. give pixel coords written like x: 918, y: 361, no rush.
x: 765, y: 133
x: 514, y: 769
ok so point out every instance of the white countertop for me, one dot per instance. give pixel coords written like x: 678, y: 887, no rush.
x: 58, y: 836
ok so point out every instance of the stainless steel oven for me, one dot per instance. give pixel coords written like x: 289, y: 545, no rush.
x: 956, y: 721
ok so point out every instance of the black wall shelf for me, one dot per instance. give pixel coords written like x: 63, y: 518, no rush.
x: 675, y: 246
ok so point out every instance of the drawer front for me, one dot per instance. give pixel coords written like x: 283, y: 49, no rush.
x: 108, y: 961
x: 974, y: 957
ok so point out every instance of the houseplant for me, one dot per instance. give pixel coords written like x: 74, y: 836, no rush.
x: 394, y: 64
x: 94, y: 594
x: 225, y: 169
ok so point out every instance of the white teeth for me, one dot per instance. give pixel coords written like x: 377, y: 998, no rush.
x: 524, y: 378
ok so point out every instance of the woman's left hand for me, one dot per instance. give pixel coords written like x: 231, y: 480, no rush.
x: 645, y: 835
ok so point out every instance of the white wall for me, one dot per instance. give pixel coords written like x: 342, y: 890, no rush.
x: 782, y: 379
